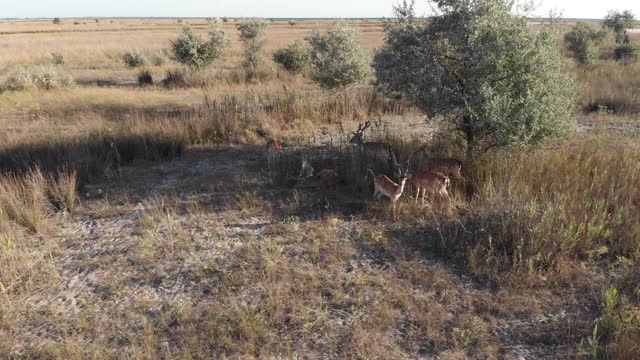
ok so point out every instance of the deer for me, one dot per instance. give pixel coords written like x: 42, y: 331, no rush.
x: 446, y: 166
x: 430, y: 181
x: 274, y: 148
x: 383, y: 186
x: 377, y: 150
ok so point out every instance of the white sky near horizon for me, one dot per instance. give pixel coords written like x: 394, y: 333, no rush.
x: 271, y: 8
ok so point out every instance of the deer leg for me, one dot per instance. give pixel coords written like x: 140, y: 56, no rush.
x: 417, y: 195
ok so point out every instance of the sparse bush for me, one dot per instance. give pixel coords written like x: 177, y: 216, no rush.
x: 145, y: 78
x: 134, y: 58
x: 176, y: 78
x: 57, y: 58
x: 158, y: 58
x: 516, y: 92
x: 252, y: 37
x: 19, y: 79
x: 96, y: 20
x: 583, y: 41
x: 619, y: 22
x: 57, y: 21
x: 627, y: 52
x: 294, y: 58
x: 76, y: 23
x: 337, y: 57
x: 189, y: 49
x: 225, y: 20
x: 292, y: 23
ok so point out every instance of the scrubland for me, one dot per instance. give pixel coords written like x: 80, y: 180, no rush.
x: 141, y: 222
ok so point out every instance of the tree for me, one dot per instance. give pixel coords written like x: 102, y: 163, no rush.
x: 252, y: 37
x: 293, y: 58
x: 188, y: 48
x: 478, y: 67
x: 337, y: 58
x: 583, y: 41
x: 619, y: 22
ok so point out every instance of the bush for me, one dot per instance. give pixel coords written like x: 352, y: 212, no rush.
x: 252, y: 37
x: 19, y: 79
x: 619, y: 22
x: 57, y: 58
x: 158, y: 58
x: 189, y: 49
x: 176, y: 78
x: 627, y: 52
x: 583, y: 41
x: 516, y: 92
x: 57, y: 21
x: 294, y: 58
x: 337, y: 57
x: 134, y: 58
x: 145, y: 78
x: 292, y: 23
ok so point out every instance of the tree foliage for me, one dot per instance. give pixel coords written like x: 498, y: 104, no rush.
x: 337, y: 58
x: 188, y: 48
x: 583, y: 41
x: 478, y: 66
x: 293, y: 58
x: 252, y: 37
x: 619, y: 22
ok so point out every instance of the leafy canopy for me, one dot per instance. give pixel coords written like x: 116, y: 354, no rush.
x: 337, y: 58
x: 478, y: 66
x: 583, y: 41
x: 619, y: 22
x: 188, y: 48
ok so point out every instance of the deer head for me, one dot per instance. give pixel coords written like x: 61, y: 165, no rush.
x: 358, y: 136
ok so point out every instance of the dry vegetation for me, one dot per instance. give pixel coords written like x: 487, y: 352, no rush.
x: 140, y: 222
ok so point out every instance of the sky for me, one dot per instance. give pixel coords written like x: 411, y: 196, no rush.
x: 269, y: 8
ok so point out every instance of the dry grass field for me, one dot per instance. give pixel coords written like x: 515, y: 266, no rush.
x: 142, y: 222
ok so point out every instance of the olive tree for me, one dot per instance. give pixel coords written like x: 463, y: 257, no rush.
x: 476, y: 65
x: 619, y: 22
x: 583, y: 41
x: 252, y: 37
x: 188, y: 48
x: 337, y: 58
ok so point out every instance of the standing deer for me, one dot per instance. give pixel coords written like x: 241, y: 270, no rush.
x: 447, y: 166
x: 431, y: 182
x: 274, y: 148
x: 387, y: 187
x: 376, y: 150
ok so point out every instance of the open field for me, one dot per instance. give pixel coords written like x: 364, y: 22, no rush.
x: 142, y: 222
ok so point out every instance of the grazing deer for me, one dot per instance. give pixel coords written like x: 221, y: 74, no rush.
x: 376, y: 150
x: 274, y: 148
x: 387, y: 187
x: 429, y: 181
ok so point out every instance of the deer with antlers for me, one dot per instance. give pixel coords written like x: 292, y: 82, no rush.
x: 383, y: 186
x: 376, y: 150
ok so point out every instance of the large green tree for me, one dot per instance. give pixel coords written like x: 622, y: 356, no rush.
x: 478, y: 66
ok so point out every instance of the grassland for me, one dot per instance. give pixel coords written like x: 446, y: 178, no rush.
x: 141, y: 222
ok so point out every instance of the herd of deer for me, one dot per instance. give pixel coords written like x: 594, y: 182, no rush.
x: 433, y: 177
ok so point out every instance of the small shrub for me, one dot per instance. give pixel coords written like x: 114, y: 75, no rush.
x: 57, y: 58
x: 294, y: 58
x: 583, y: 41
x: 57, y: 21
x: 292, y: 23
x: 627, y: 52
x: 176, y: 78
x: 63, y: 190
x: 19, y: 79
x: 76, y: 23
x: 47, y: 78
x: 252, y: 37
x: 337, y: 57
x: 179, y: 21
x: 158, y: 58
x: 134, y: 58
x: 97, y: 20
x: 189, y: 49
x: 145, y: 78
x: 224, y: 19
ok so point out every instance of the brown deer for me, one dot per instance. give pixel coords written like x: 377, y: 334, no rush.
x: 447, y: 166
x: 375, y: 150
x: 383, y: 186
x: 430, y: 182
x: 274, y: 148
